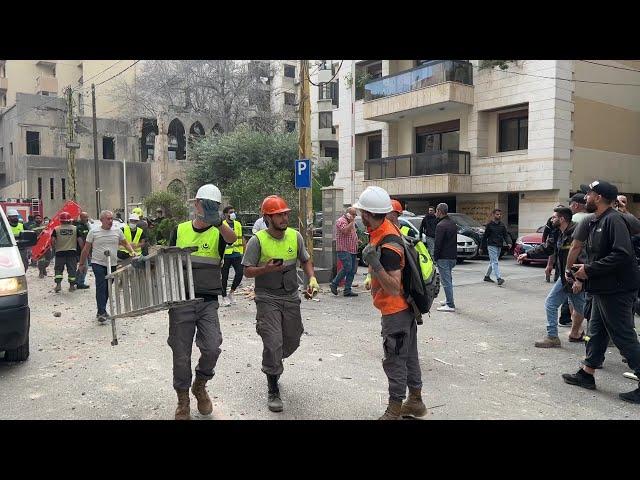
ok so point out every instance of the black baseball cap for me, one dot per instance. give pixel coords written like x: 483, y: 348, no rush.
x: 606, y: 189
x: 578, y: 198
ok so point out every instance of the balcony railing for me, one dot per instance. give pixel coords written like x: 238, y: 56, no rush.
x: 427, y: 74
x: 415, y: 164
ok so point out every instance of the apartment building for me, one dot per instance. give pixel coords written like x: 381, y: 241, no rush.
x: 325, y: 99
x: 521, y: 139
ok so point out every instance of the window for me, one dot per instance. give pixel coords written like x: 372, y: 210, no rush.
x: 290, y: 126
x: 1, y: 154
x: 364, y: 73
x: 374, y: 147
x: 11, y: 148
x: 289, y: 98
x: 108, y: 150
x: 51, y: 187
x: 331, y: 152
x: 63, y: 182
x: 40, y: 188
x: 438, y: 136
x: 326, y: 119
x: 33, y: 143
x: 514, y: 130
x: 290, y: 71
x: 3, y: 100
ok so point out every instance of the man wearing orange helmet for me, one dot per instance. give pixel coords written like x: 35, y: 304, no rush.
x: 64, y: 239
x: 270, y: 257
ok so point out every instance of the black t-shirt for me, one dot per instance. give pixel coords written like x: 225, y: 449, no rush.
x: 390, y: 260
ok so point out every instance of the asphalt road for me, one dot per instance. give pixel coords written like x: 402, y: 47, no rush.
x: 479, y: 363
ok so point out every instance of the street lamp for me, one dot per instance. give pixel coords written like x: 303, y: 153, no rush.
x: 332, y: 176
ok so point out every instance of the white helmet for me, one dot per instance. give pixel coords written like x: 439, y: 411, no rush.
x: 12, y: 212
x: 374, y: 200
x: 209, y: 192
x: 133, y: 216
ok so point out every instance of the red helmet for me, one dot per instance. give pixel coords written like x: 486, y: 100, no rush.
x: 65, y: 217
x: 397, y: 207
x: 274, y: 204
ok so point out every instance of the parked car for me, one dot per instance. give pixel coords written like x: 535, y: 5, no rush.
x: 15, y: 316
x: 470, y: 227
x: 528, y: 242
x: 467, y: 247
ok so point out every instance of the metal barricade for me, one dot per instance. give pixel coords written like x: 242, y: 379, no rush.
x: 149, y: 284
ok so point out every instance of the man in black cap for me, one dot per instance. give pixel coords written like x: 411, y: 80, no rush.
x: 612, y: 277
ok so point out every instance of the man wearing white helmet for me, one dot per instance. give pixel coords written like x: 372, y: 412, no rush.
x: 211, y: 236
x: 17, y: 228
x: 385, y: 257
x: 135, y: 235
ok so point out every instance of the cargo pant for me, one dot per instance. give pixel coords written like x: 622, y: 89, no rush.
x: 200, y: 319
x: 279, y: 323
x: 400, y: 346
x: 71, y: 262
x: 44, y: 261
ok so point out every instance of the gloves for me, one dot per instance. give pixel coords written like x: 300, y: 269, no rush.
x: 367, y: 282
x: 211, y: 211
x: 371, y: 256
x: 312, y: 288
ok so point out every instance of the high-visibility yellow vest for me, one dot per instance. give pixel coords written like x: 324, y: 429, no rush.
x: 207, y: 242
x: 285, y: 248
x: 127, y: 235
x: 237, y: 246
x: 405, y: 230
x: 17, y: 229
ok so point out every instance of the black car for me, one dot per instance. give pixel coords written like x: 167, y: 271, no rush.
x: 472, y: 228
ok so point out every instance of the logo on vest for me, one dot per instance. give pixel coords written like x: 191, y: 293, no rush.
x: 205, y: 246
x: 290, y: 250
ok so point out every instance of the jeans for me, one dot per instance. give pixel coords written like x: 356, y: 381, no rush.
x: 445, y: 266
x: 612, y: 316
x: 348, y: 271
x: 80, y: 276
x: 556, y: 297
x: 236, y: 263
x: 494, y: 254
x: 102, y: 289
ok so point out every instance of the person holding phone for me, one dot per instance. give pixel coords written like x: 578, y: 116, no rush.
x: 271, y: 257
x: 347, y: 252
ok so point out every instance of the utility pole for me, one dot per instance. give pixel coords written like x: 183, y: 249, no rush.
x: 305, y: 195
x: 71, y: 146
x: 95, y: 151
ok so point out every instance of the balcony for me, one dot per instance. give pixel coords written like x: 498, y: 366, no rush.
x: 326, y: 134
x: 431, y: 86
x: 4, y: 84
x: 47, y: 84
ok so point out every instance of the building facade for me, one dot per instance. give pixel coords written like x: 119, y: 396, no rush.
x: 521, y: 139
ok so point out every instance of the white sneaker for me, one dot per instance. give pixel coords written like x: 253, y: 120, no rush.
x: 446, y: 308
x: 232, y: 300
x: 443, y: 303
x: 225, y: 302
x: 630, y: 375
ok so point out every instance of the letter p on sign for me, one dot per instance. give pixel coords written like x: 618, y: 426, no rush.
x: 303, y: 173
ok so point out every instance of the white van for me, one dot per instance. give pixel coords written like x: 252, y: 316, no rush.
x: 14, y: 299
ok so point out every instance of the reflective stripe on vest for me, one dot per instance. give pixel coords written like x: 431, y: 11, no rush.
x: 207, y: 243
x: 127, y: 236
x: 237, y: 246
x: 286, y: 249
x: 17, y: 229
x: 404, y: 230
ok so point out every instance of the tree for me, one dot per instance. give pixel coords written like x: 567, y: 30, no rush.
x: 502, y: 64
x: 224, y: 91
x: 172, y: 205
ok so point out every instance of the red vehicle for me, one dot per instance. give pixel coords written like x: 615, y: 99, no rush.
x: 528, y: 242
x: 24, y: 206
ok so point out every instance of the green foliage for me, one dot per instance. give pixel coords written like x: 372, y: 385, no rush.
x: 221, y: 159
x: 502, y: 64
x: 322, y: 178
x: 164, y: 229
x: 172, y: 205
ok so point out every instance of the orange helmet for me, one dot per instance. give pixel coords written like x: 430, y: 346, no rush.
x: 65, y: 217
x: 274, y: 204
x: 395, y: 204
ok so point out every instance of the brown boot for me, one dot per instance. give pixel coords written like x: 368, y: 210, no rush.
x: 414, y: 406
x: 183, y: 412
x: 548, y: 342
x: 393, y: 411
x: 204, y: 402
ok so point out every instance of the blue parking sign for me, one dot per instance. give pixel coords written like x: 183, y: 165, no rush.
x: 303, y: 173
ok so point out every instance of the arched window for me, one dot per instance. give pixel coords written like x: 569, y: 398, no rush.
x: 177, y: 150
x: 147, y: 142
x: 177, y: 187
x: 196, y: 130
x: 217, y: 129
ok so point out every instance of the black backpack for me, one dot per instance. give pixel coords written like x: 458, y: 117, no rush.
x: 418, y: 292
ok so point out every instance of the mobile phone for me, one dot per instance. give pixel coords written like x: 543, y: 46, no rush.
x: 278, y: 261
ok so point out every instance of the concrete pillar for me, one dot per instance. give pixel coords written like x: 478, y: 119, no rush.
x: 159, y: 172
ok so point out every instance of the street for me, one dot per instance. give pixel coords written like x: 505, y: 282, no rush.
x: 478, y: 363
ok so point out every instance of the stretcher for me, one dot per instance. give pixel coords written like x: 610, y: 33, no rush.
x: 149, y: 284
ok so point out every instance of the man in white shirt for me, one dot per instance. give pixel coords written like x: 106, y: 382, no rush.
x: 98, y: 241
x: 260, y: 224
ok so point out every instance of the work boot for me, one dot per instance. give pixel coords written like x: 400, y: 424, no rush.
x: 274, y: 403
x: 183, y: 412
x: 581, y: 379
x: 488, y: 279
x: 500, y: 281
x: 414, y: 405
x: 72, y: 287
x: 199, y: 391
x: 631, y: 397
x: 58, y: 287
x: 393, y: 411
x: 548, y: 342
x: 41, y: 274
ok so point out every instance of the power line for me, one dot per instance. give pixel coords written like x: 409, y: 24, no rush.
x: 611, y: 66
x: 332, y: 78
x: 119, y: 73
